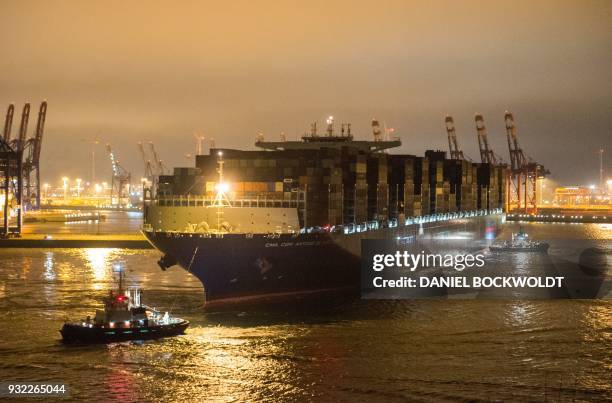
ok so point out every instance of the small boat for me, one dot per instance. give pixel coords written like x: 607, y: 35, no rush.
x: 124, y: 318
x: 520, y: 242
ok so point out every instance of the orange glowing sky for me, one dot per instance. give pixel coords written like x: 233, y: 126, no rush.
x: 123, y: 71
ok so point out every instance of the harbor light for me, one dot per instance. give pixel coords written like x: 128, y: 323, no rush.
x: 78, y: 187
x: 65, y: 187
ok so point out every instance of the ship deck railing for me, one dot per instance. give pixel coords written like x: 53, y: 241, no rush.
x: 195, y: 201
x: 353, y: 228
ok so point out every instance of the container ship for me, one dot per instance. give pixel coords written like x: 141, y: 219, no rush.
x: 288, y: 219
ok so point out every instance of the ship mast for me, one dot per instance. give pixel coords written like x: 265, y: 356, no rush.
x: 221, y: 199
x: 118, y: 269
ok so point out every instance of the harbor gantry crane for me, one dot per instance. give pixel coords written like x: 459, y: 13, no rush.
x: 148, y: 167
x: 8, y: 123
x: 18, y: 144
x: 524, y: 173
x: 159, y: 164
x: 31, y: 164
x: 149, y: 184
x: 11, y: 183
x: 21, y: 179
x: 453, y: 145
x: 120, y: 181
x: 487, y: 156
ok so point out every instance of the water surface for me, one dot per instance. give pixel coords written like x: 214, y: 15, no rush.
x: 427, y: 350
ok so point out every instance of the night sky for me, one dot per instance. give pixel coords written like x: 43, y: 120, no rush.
x: 128, y: 71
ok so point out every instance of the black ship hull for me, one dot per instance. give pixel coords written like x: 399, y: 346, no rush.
x: 75, y: 333
x: 236, y: 268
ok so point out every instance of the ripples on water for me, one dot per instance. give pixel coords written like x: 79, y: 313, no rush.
x: 375, y: 350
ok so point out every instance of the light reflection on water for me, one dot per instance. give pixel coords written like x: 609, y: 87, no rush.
x: 49, y: 272
x: 519, y: 313
x: 98, y: 259
x: 426, y: 350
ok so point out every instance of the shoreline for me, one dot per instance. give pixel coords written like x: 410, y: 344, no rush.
x: 123, y: 241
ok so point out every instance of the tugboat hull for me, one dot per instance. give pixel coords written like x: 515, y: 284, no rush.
x: 542, y: 248
x: 75, y: 333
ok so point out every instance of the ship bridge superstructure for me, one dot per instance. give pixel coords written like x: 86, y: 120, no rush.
x: 331, y: 140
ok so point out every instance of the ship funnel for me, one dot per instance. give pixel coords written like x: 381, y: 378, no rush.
x: 330, y: 126
x: 376, y: 130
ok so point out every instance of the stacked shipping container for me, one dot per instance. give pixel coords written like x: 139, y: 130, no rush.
x: 346, y: 185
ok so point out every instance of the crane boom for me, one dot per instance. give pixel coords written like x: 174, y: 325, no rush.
x: 40, y: 127
x: 486, y: 154
x: 148, y: 169
x: 8, y: 123
x: 120, y: 181
x: 109, y: 150
x: 118, y: 170
x: 158, y: 163
x: 518, y: 160
x: 31, y: 164
x: 524, y: 173
x: 23, y: 128
x: 453, y: 146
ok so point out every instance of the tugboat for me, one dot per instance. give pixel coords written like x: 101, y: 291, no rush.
x: 520, y: 243
x: 124, y: 318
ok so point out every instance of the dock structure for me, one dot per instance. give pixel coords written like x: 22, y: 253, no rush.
x: 122, y: 241
x: 11, y: 183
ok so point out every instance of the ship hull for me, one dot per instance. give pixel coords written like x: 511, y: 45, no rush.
x: 238, y: 268
x: 235, y: 268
